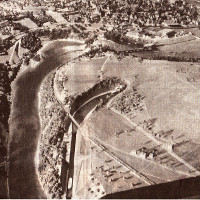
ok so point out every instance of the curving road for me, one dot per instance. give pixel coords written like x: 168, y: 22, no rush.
x: 24, y: 120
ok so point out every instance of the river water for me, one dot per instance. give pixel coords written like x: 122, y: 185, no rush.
x: 24, y: 121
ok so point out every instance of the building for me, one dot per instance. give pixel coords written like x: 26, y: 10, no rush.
x: 167, y: 33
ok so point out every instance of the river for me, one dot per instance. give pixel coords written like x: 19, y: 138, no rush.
x: 25, y: 123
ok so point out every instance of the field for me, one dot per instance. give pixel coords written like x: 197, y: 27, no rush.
x: 171, y: 99
x: 125, y: 69
x: 169, y: 96
x: 82, y: 75
x: 185, y: 48
x: 28, y: 23
x: 95, y: 169
x: 110, y: 123
x: 104, y: 124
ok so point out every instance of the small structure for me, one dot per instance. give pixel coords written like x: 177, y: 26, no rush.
x: 152, y: 153
x: 142, y: 152
x: 168, y: 146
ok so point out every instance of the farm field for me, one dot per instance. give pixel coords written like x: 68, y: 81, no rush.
x: 172, y: 99
x: 96, y: 174
x: 110, y: 123
x: 169, y: 98
x: 176, y: 40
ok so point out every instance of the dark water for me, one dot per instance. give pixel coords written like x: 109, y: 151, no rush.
x: 25, y: 125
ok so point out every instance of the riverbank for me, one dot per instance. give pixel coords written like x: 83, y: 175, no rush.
x: 25, y: 124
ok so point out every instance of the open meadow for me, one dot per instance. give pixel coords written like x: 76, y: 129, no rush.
x: 82, y: 75
x: 184, y: 48
x: 169, y: 96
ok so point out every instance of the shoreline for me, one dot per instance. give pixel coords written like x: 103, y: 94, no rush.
x: 24, y: 123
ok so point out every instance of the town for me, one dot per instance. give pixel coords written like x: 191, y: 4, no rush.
x: 98, y: 97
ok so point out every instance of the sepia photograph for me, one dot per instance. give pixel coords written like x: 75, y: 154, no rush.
x: 99, y: 99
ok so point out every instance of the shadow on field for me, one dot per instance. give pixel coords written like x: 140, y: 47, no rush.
x: 184, y: 188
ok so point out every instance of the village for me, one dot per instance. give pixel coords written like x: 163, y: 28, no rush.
x: 118, y: 101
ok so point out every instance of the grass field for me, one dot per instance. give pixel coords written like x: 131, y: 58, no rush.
x: 110, y: 123
x: 171, y: 99
x: 95, y: 169
x: 185, y: 48
x: 82, y: 75
x: 103, y: 125
x: 168, y: 95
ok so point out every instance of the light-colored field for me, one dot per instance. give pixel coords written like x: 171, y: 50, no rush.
x: 176, y: 40
x: 28, y: 23
x: 125, y: 69
x: 173, y: 100
x: 95, y: 169
x: 82, y: 75
x: 168, y: 96
x: 185, y: 48
x: 105, y: 123
x: 110, y: 123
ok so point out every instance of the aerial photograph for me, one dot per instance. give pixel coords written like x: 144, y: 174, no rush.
x: 99, y: 99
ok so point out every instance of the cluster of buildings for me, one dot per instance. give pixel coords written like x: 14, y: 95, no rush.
x: 146, y: 153
x: 143, y: 13
x: 164, y: 13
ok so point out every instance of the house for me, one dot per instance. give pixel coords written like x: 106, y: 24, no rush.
x: 142, y: 152
x: 167, y: 33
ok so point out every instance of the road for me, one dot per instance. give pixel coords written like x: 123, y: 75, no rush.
x: 24, y: 120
